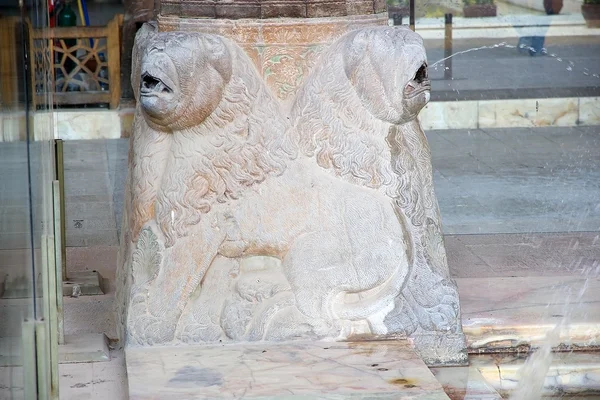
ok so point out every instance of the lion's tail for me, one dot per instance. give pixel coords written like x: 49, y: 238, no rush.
x: 383, y: 296
x: 372, y: 300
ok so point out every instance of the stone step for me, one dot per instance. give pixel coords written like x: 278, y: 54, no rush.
x: 301, y: 370
x: 565, y: 375
x: 517, y: 313
x: 465, y: 383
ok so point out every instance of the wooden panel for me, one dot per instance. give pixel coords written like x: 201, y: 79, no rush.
x: 70, y: 98
x: 114, y: 61
x: 265, y: 9
x: 76, y: 65
x: 9, y: 90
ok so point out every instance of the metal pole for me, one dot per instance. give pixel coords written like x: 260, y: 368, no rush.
x: 60, y: 177
x: 412, y: 14
x: 58, y: 272
x: 53, y: 316
x: 448, y: 46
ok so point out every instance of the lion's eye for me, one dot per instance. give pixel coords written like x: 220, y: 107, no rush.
x: 421, y: 74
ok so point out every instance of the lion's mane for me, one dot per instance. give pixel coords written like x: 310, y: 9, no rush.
x: 338, y: 130
x: 332, y: 125
x: 241, y: 143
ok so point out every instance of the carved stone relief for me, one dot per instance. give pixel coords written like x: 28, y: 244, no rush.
x: 244, y: 222
x: 284, y: 50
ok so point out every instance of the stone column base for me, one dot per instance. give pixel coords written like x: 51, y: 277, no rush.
x: 284, y: 49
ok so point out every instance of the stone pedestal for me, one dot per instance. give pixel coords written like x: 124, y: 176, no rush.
x: 284, y: 50
x: 284, y: 39
x: 280, y: 185
x: 303, y: 370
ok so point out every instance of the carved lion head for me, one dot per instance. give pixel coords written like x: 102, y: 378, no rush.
x: 216, y: 128
x: 367, y: 82
x: 388, y: 69
x: 182, y: 78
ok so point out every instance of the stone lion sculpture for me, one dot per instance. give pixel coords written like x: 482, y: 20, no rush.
x: 243, y: 222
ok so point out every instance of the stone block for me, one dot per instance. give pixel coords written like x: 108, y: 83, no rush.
x: 450, y: 115
x: 283, y: 9
x: 88, y: 125
x: 589, y: 111
x: 360, y: 7
x: 189, y: 8
x: 84, y: 348
x: 316, y: 9
x: 304, y: 370
x: 237, y: 9
x: 528, y: 113
x: 13, y: 127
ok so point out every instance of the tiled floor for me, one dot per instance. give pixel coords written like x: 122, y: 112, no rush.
x: 94, y: 381
x: 518, y: 180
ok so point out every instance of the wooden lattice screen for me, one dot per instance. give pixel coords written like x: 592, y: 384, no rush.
x: 9, y: 66
x: 85, y: 64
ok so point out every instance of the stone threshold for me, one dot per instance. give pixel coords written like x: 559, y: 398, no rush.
x: 497, y: 377
x: 374, y: 370
x: 559, y: 375
x: 516, y: 314
x: 292, y: 370
x: 82, y: 124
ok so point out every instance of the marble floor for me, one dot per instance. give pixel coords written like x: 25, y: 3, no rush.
x: 375, y: 370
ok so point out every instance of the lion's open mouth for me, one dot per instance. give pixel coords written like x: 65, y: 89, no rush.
x: 419, y: 84
x: 151, y: 85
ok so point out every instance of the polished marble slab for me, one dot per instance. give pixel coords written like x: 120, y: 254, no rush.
x: 505, y: 313
x: 589, y: 111
x: 301, y: 370
x: 562, y: 374
x: 465, y: 383
x: 450, y: 115
x: 528, y: 112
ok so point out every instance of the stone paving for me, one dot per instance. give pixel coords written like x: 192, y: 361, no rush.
x: 518, y: 180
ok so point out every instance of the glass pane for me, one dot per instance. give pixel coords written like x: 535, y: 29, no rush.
x: 17, y: 300
x: 26, y: 175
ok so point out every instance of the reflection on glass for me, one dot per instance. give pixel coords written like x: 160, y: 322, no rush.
x: 25, y: 205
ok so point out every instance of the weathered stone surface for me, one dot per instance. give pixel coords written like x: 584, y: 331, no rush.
x: 245, y: 222
x: 290, y: 371
x: 283, y: 50
x: 269, y: 8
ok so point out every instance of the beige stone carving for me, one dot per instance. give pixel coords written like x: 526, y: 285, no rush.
x: 284, y: 50
x: 244, y: 222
